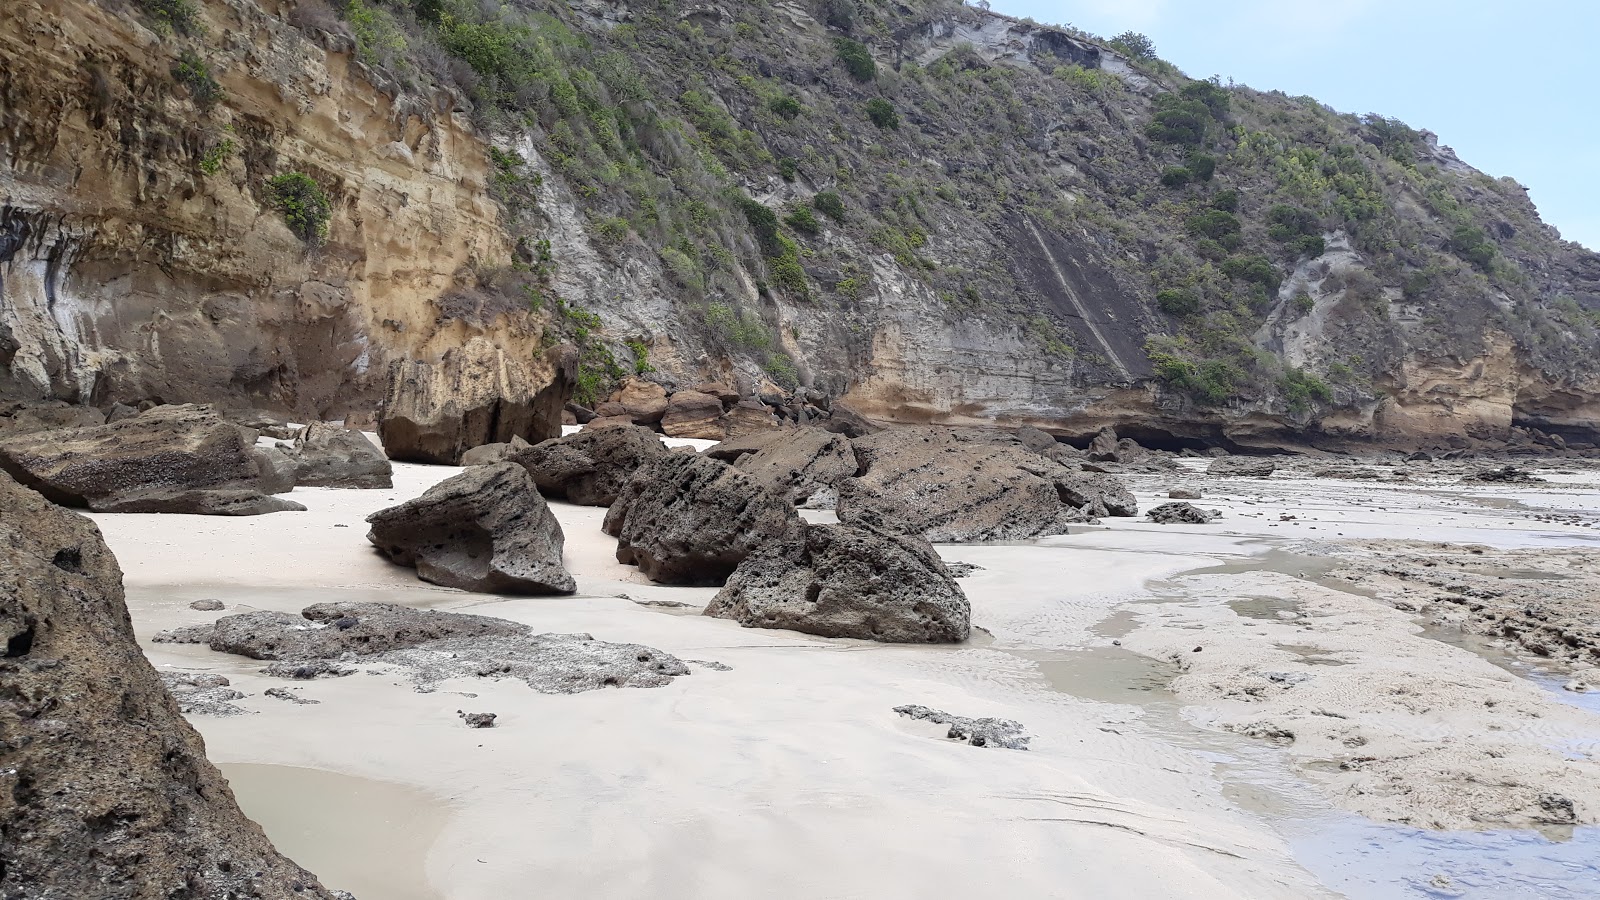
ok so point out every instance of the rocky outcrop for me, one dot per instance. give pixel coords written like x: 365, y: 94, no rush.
x: 430, y: 646
x: 839, y: 581
x: 485, y: 530
x: 1242, y: 467
x: 175, y: 459
x: 951, y: 487
x: 801, y: 462
x: 692, y: 414
x: 108, y: 793
x: 645, y: 402
x: 49, y: 417
x: 476, y: 394
x: 333, y: 456
x: 687, y: 519
x: 589, y: 468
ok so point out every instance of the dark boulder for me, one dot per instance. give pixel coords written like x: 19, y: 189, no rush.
x: 589, y: 468
x: 839, y: 581
x: 1180, y: 514
x: 688, y: 519
x: 333, y: 456
x: 798, y: 461
x: 486, y: 530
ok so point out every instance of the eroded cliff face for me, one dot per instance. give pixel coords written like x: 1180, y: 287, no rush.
x: 999, y: 260
x: 141, y: 257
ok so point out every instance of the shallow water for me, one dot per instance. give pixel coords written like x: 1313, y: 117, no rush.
x: 366, y: 837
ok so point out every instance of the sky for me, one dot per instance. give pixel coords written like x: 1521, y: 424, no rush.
x: 1513, y: 86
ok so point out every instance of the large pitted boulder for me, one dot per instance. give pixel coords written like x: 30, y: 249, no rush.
x: 1242, y: 466
x: 688, y: 519
x: 691, y: 414
x: 485, y: 530
x: 333, y: 456
x: 839, y: 581
x: 174, y: 459
x: 477, y: 394
x: 645, y: 402
x: 951, y: 486
x: 430, y: 647
x: 589, y: 468
x: 107, y: 791
x: 801, y: 462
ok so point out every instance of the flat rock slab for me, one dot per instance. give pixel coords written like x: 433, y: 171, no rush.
x: 839, y: 581
x: 486, y: 530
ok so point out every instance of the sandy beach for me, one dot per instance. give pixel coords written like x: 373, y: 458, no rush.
x: 1215, y: 713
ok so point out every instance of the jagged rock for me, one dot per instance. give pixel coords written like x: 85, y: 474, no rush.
x: 691, y: 414
x: 1180, y: 514
x: 307, y: 670
x: 1242, y: 466
x: 108, y: 791
x: 485, y: 530
x: 203, y: 694
x: 277, y: 470
x: 1183, y: 493
x: 848, y: 422
x: 749, y: 417
x: 289, y: 696
x: 176, y: 459
x: 477, y: 720
x: 489, y: 454
x: 688, y: 519
x: 645, y: 402
x: 590, y: 467
x: 1006, y: 734
x: 955, y: 487
x: 476, y: 394
x: 802, y: 462
x: 1036, y: 440
x: 962, y: 569
x: 431, y: 646
x: 1104, y: 446
x: 839, y: 581
x: 332, y: 456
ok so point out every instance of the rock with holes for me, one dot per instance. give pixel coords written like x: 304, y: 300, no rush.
x: 958, y: 487
x: 802, y: 462
x: 334, y: 456
x: 1181, y: 514
x: 334, y: 630
x: 839, y: 581
x: 590, y: 467
x: 1007, y: 734
x: 476, y: 394
x: 108, y: 793
x: 688, y: 519
x: 485, y: 530
x: 171, y: 459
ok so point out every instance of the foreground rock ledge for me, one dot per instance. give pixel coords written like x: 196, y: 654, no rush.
x: 486, y: 530
x: 107, y: 791
x: 838, y: 581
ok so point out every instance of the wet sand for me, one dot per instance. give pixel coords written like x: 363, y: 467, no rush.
x: 791, y: 769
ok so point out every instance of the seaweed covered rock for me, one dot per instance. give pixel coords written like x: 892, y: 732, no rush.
x: 688, y: 519
x: 589, y: 468
x: 839, y: 581
x: 485, y: 530
x: 108, y: 793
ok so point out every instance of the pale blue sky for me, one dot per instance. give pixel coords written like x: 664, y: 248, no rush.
x: 1511, y: 86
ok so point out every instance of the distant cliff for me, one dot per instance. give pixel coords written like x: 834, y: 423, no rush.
x: 935, y: 212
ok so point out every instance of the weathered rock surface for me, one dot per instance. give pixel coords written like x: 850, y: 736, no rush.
x: 1242, y: 467
x: 477, y: 720
x: 181, y: 459
x: 749, y: 417
x: 590, y: 467
x: 332, y: 456
x: 1503, y: 475
x: 1183, y: 493
x: 489, y: 454
x: 476, y: 394
x: 839, y: 581
x: 203, y: 694
x: 486, y: 530
x: 1104, y: 446
x: 645, y: 402
x: 1004, y: 733
x: 108, y: 793
x: 277, y: 470
x: 1180, y: 514
x: 688, y: 519
x: 949, y: 486
x: 691, y: 414
x: 798, y: 461
x: 49, y: 417
x: 430, y: 646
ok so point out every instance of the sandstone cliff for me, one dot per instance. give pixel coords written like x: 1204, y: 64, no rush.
x: 935, y: 212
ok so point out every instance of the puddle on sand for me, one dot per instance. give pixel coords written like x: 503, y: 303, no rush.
x: 370, y: 838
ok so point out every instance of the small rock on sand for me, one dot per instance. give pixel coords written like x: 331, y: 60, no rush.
x: 1004, y: 733
x: 207, y: 605
x: 1184, y: 493
x: 1181, y: 514
x: 283, y: 694
x: 477, y: 720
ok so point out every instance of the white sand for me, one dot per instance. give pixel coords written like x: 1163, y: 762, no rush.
x: 788, y: 776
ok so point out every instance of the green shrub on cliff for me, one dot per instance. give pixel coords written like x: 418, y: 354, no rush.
x: 181, y: 16
x: 857, y: 59
x: 192, y: 72
x: 306, y: 209
x: 882, y: 114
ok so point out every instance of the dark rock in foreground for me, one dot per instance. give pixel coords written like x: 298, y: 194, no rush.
x: 589, y: 468
x: 485, y: 530
x: 107, y: 791
x: 1180, y: 514
x: 333, y: 456
x: 431, y: 646
x: 838, y: 581
x: 688, y: 519
x: 170, y: 459
x: 1004, y: 733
